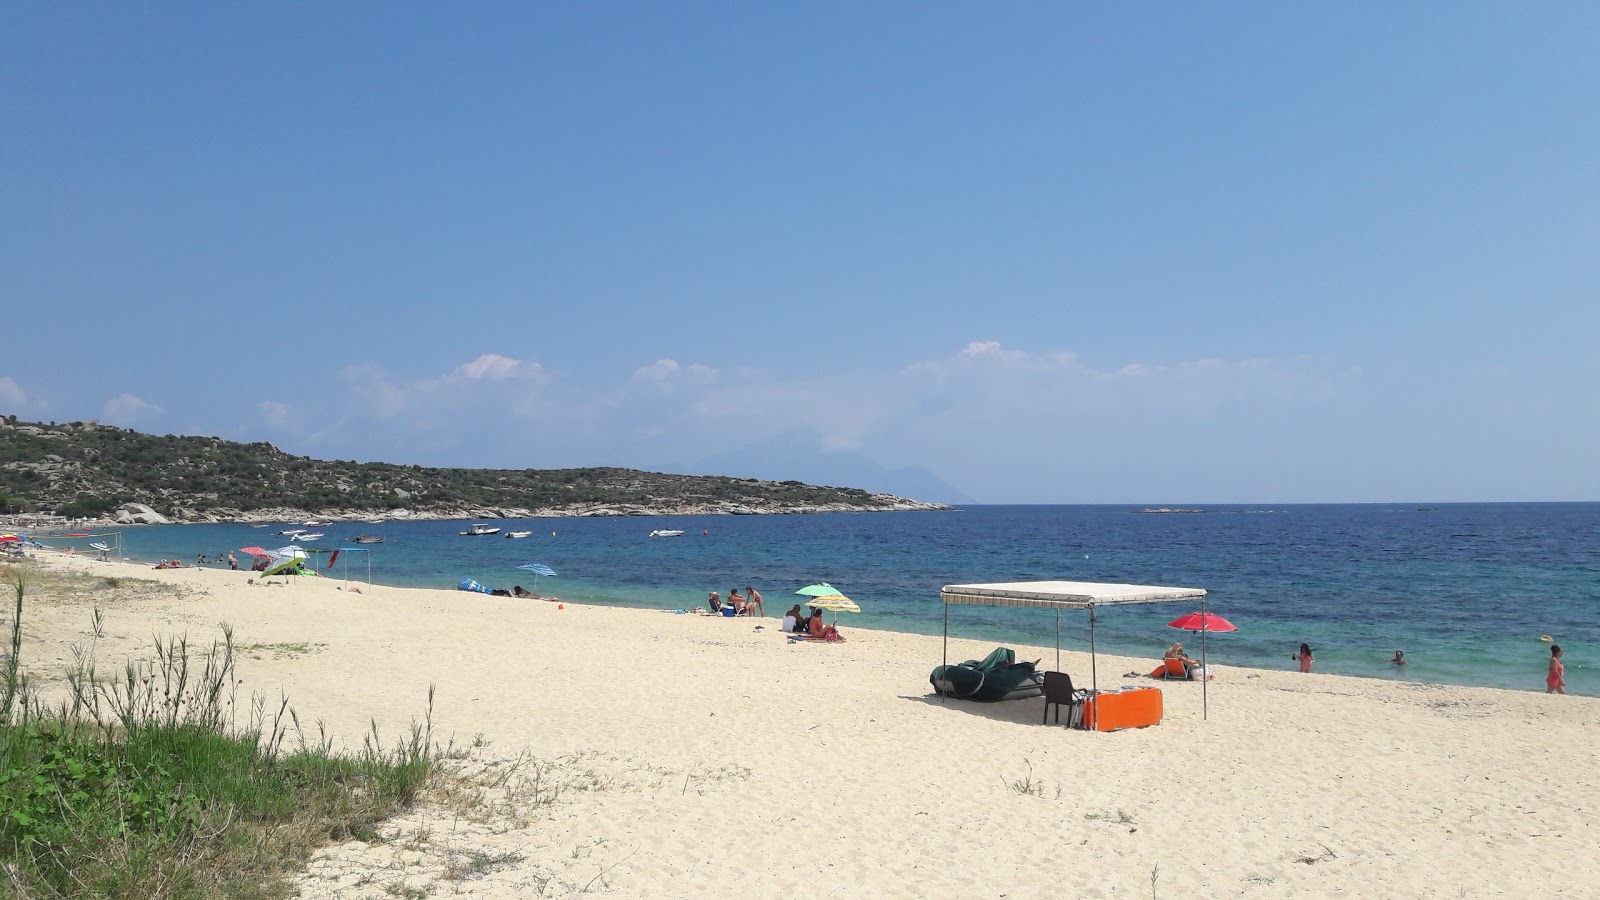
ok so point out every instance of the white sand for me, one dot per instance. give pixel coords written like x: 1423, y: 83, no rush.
x: 688, y: 756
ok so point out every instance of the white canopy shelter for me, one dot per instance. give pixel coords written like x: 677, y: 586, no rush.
x: 1059, y: 595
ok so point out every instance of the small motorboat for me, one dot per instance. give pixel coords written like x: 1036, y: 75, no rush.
x: 308, y: 537
x: 667, y: 532
x: 479, y: 529
x: 318, y: 524
x: 519, y: 534
x: 368, y: 539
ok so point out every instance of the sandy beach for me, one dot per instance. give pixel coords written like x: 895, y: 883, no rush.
x: 645, y: 754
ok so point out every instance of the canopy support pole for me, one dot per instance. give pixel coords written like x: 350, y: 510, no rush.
x: 942, y: 697
x: 1094, y: 663
x: 1205, y: 674
x: 1058, y: 639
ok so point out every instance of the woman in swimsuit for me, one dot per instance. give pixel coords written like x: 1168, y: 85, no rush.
x: 1555, y: 681
x: 1304, y: 656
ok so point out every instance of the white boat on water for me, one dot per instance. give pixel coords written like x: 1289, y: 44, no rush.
x: 479, y: 528
x: 309, y: 537
x: 319, y: 524
x: 519, y: 534
x: 667, y: 532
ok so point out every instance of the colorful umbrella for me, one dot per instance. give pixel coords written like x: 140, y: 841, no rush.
x: 835, y: 602
x: 538, y: 569
x: 1202, y: 621
x: 254, y: 551
x: 820, y: 589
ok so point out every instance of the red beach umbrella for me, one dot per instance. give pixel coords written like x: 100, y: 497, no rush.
x: 254, y: 551
x: 1202, y: 621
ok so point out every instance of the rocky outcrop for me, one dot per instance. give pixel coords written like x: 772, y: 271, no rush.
x: 139, y: 514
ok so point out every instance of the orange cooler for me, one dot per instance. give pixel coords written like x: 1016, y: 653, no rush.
x: 1123, y: 709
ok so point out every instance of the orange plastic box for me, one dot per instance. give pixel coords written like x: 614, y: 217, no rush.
x: 1123, y: 709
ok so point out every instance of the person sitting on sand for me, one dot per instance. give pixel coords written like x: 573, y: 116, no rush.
x: 821, y: 632
x: 1399, y: 658
x: 1176, y: 652
x: 713, y: 602
x: 794, y: 619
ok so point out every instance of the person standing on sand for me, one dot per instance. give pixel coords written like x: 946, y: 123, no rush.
x: 752, y: 597
x: 233, y: 562
x: 1304, y: 656
x: 1555, y: 681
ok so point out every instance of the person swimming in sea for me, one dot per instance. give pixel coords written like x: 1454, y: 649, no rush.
x: 1399, y: 658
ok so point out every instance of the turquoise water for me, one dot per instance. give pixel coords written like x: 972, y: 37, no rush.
x: 1464, y: 589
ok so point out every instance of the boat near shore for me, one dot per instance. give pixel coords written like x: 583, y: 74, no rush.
x: 518, y: 534
x: 479, y: 529
x: 667, y: 532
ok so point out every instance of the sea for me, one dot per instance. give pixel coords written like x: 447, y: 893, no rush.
x: 1468, y: 591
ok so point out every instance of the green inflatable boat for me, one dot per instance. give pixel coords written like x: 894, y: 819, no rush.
x: 997, y: 676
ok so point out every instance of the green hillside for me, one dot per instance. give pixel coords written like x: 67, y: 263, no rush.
x: 87, y: 469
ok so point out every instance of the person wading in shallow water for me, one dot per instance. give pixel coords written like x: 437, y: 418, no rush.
x: 1304, y: 656
x: 1555, y: 681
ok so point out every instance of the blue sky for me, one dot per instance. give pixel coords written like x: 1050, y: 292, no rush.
x: 1149, y: 253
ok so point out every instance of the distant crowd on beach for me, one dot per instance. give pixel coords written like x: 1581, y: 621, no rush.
x: 746, y: 604
x: 795, y: 621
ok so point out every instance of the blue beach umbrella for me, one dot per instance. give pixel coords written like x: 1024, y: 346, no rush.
x: 538, y: 569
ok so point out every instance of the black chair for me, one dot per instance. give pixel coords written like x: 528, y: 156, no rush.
x: 1058, y: 690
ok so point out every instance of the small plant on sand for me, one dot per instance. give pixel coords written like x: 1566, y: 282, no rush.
x: 1026, y: 784
x: 479, y: 864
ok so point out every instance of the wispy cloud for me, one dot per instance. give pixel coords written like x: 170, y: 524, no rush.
x: 130, y: 410
x: 11, y: 394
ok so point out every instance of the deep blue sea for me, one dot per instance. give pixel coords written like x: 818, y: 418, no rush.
x: 1465, y: 589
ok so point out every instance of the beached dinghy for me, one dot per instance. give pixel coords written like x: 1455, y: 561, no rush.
x: 997, y: 677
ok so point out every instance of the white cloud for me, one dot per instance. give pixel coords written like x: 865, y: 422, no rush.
x: 493, y: 367
x: 11, y: 394
x: 274, y: 412
x: 129, y: 410
x: 665, y: 370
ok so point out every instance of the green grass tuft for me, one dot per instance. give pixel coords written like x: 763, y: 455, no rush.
x: 136, y: 786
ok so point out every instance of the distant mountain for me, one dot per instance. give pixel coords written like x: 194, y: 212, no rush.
x: 87, y: 469
x: 789, y: 454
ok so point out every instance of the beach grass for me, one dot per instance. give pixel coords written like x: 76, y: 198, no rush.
x: 143, y: 785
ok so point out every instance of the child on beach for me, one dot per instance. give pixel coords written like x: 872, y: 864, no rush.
x: 1554, y: 680
x: 1304, y: 656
